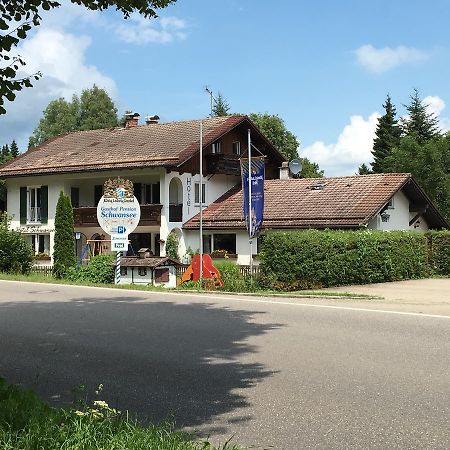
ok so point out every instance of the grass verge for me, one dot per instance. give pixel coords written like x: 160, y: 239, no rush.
x: 38, y: 278
x: 27, y: 423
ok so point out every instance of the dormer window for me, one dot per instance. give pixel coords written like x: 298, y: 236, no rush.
x: 215, y: 148
x: 236, y: 148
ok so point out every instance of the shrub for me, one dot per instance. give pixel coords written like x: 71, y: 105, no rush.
x: 439, y: 251
x: 16, y: 254
x: 99, y: 270
x: 232, y: 278
x: 64, y: 246
x: 172, y: 246
x: 313, y: 258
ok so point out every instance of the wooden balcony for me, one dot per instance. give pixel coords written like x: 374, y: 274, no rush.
x: 223, y: 164
x: 86, y: 216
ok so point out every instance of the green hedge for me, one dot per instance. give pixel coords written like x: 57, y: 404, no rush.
x: 100, y: 269
x: 439, y: 251
x: 312, y: 258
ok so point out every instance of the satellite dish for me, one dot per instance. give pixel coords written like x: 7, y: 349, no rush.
x: 295, y: 166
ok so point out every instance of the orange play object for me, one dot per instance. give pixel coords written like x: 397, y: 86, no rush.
x: 209, y: 271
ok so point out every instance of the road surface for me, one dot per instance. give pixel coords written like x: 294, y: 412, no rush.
x: 275, y: 373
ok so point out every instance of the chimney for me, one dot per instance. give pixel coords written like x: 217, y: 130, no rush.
x: 284, y: 171
x: 131, y: 120
x: 149, y: 120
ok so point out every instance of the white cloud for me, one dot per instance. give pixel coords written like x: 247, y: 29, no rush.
x: 61, y: 59
x: 379, y: 60
x: 139, y: 30
x: 435, y: 105
x: 353, y: 147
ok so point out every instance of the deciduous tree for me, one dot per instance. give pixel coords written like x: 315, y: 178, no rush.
x: 93, y: 110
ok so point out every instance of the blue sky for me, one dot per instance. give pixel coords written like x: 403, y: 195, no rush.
x: 325, y: 67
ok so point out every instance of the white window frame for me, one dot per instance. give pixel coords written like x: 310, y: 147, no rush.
x: 35, y: 238
x: 145, y: 200
x: 197, y: 193
x: 390, y: 204
x: 215, y: 148
x: 33, y: 216
x: 238, y: 147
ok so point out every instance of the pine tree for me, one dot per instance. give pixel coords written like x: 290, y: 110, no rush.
x: 5, y: 154
x: 363, y: 169
x: 64, y: 246
x: 221, y: 107
x: 387, y: 136
x: 420, y: 124
x: 14, y: 149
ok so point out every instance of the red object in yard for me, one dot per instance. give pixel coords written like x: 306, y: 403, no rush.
x: 192, y: 273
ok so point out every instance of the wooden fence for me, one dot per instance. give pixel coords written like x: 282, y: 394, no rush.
x: 42, y: 270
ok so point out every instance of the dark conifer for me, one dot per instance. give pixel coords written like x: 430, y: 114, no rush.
x: 387, y: 136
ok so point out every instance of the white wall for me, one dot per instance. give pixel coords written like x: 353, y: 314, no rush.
x: 399, y: 216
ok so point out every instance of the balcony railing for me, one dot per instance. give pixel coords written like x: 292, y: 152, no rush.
x: 86, y: 216
x: 224, y: 164
x: 175, y: 213
x: 34, y: 214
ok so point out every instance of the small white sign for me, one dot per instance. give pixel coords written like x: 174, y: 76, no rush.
x: 119, y: 242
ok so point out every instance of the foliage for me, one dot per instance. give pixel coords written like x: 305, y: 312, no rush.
x: 439, y: 251
x: 275, y: 130
x: 64, y: 245
x: 310, y: 169
x: 387, y: 136
x: 172, y: 246
x: 429, y: 164
x: 93, y: 110
x: 232, y: 278
x: 16, y: 255
x: 14, y: 149
x: 220, y: 107
x: 99, y: 270
x: 363, y: 169
x: 419, y: 124
x: 19, y: 17
x: 27, y: 423
x: 314, y: 259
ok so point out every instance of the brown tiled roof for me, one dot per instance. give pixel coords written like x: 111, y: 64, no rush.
x: 153, y: 261
x: 338, y: 202
x: 166, y: 144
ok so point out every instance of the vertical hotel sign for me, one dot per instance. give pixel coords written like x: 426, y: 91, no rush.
x: 257, y: 194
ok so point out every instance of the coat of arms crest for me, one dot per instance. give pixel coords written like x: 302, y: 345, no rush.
x: 118, y: 188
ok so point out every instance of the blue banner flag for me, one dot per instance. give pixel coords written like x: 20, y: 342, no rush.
x: 257, y: 187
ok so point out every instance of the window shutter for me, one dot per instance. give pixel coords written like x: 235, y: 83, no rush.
x: 138, y: 192
x: 98, y: 193
x: 44, y: 204
x: 156, y: 193
x: 161, y: 275
x: 23, y: 204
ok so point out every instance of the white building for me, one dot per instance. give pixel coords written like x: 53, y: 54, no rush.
x: 163, y: 162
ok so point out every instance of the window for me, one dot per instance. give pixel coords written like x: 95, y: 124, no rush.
x: 215, y: 148
x: 142, y: 271
x: 162, y: 275
x: 151, y: 194
x: 98, y: 193
x: 225, y: 242
x: 40, y: 243
x: 34, y: 204
x: 123, y: 271
x: 390, y: 203
x: 75, y: 197
x: 207, y: 244
x: 197, y: 193
x: 237, y: 148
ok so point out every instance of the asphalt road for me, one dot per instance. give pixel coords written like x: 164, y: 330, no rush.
x: 274, y: 373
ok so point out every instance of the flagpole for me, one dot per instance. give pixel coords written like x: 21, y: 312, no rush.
x: 250, y: 231
x: 201, y: 204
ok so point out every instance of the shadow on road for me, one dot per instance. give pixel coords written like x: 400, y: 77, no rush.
x: 156, y: 359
